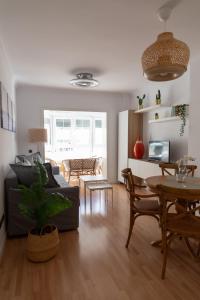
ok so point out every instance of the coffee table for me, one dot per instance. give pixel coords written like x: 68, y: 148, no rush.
x: 102, y: 186
x: 91, y: 179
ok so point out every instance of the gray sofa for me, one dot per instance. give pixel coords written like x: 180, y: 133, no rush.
x: 17, y: 225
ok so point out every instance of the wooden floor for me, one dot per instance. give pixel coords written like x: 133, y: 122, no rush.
x: 94, y: 264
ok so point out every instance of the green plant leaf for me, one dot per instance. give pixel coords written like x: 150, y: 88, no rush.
x: 38, y: 205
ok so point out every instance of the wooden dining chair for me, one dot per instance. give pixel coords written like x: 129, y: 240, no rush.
x: 172, y: 169
x: 183, y: 224
x: 168, y: 168
x: 142, y: 201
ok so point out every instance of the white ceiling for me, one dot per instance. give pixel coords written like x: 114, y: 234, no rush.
x: 49, y: 41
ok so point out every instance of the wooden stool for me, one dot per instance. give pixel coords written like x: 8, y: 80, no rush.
x: 99, y: 187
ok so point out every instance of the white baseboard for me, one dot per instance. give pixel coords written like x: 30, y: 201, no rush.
x: 2, y: 239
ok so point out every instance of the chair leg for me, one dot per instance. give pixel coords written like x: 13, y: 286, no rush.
x: 132, y: 221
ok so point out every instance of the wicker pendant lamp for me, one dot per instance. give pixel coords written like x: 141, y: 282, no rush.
x: 167, y: 58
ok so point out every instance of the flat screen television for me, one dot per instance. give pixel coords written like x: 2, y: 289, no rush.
x: 159, y: 150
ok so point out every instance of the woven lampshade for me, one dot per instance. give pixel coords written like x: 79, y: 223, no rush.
x: 37, y: 135
x: 166, y: 59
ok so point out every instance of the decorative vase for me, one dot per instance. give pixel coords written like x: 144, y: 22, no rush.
x: 41, y: 248
x: 138, y: 149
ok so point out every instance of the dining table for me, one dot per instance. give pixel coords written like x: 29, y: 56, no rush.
x: 190, y: 184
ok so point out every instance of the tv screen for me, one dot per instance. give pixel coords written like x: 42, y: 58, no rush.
x: 159, y: 150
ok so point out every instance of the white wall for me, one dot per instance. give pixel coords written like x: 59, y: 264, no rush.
x: 194, y: 136
x: 32, y: 100
x: 7, y: 138
x: 172, y: 93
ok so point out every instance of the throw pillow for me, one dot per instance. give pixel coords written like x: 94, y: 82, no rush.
x: 27, y: 175
x: 29, y: 159
x: 22, y: 160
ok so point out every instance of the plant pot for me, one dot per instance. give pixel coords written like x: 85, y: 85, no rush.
x: 41, y: 248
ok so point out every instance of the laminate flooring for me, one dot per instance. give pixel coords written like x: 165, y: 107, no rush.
x: 93, y: 263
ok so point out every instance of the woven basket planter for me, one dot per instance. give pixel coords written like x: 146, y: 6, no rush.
x: 41, y: 248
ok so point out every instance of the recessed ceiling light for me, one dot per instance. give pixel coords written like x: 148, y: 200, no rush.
x: 84, y: 80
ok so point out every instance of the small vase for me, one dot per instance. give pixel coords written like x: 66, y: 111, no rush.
x: 138, y: 150
x: 140, y: 106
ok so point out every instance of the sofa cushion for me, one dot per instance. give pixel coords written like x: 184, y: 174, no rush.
x: 27, y: 175
x: 30, y: 159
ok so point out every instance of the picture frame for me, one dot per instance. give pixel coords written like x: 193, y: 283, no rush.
x: 14, y: 117
x: 4, y: 107
x: 10, y: 113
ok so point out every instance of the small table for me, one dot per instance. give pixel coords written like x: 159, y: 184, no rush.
x: 91, y: 179
x: 99, y: 187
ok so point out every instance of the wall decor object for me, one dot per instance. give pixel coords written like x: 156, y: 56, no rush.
x: 167, y: 58
x: 140, y: 101
x: 14, y: 117
x: 158, y: 98
x: 10, y: 113
x: 4, y: 107
x: 182, y: 111
x: 138, y: 150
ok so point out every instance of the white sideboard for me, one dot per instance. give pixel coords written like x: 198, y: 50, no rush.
x: 143, y: 169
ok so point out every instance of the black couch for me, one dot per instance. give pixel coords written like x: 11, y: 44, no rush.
x: 17, y: 225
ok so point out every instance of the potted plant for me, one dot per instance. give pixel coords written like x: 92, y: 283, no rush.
x: 181, y: 112
x: 39, y: 205
x: 140, y: 101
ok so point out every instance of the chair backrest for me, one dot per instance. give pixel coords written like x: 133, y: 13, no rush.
x: 75, y: 164
x: 128, y: 179
x: 172, y: 169
x: 168, y: 199
x: 168, y: 168
x: 191, y: 169
x: 89, y: 164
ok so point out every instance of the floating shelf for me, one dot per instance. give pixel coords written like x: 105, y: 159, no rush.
x: 149, y: 108
x: 167, y: 119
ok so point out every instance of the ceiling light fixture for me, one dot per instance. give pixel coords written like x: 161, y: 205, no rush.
x: 84, y: 80
x: 167, y: 58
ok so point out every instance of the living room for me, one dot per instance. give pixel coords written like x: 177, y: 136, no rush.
x: 43, y: 46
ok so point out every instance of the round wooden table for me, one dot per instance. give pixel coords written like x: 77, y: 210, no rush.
x: 190, y: 184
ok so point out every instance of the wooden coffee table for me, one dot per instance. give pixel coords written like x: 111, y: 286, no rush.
x: 91, y: 179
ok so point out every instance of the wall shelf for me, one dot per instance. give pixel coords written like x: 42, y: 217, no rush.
x: 167, y: 119
x: 149, y: 108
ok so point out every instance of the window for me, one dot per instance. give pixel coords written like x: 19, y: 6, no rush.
x: 98, y: 123
x: 75, y: 134
x: 83, y: 123
x: 63, y: 123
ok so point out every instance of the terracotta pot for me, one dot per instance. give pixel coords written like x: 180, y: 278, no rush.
x: 138, y: 150
x: 41, y: 248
